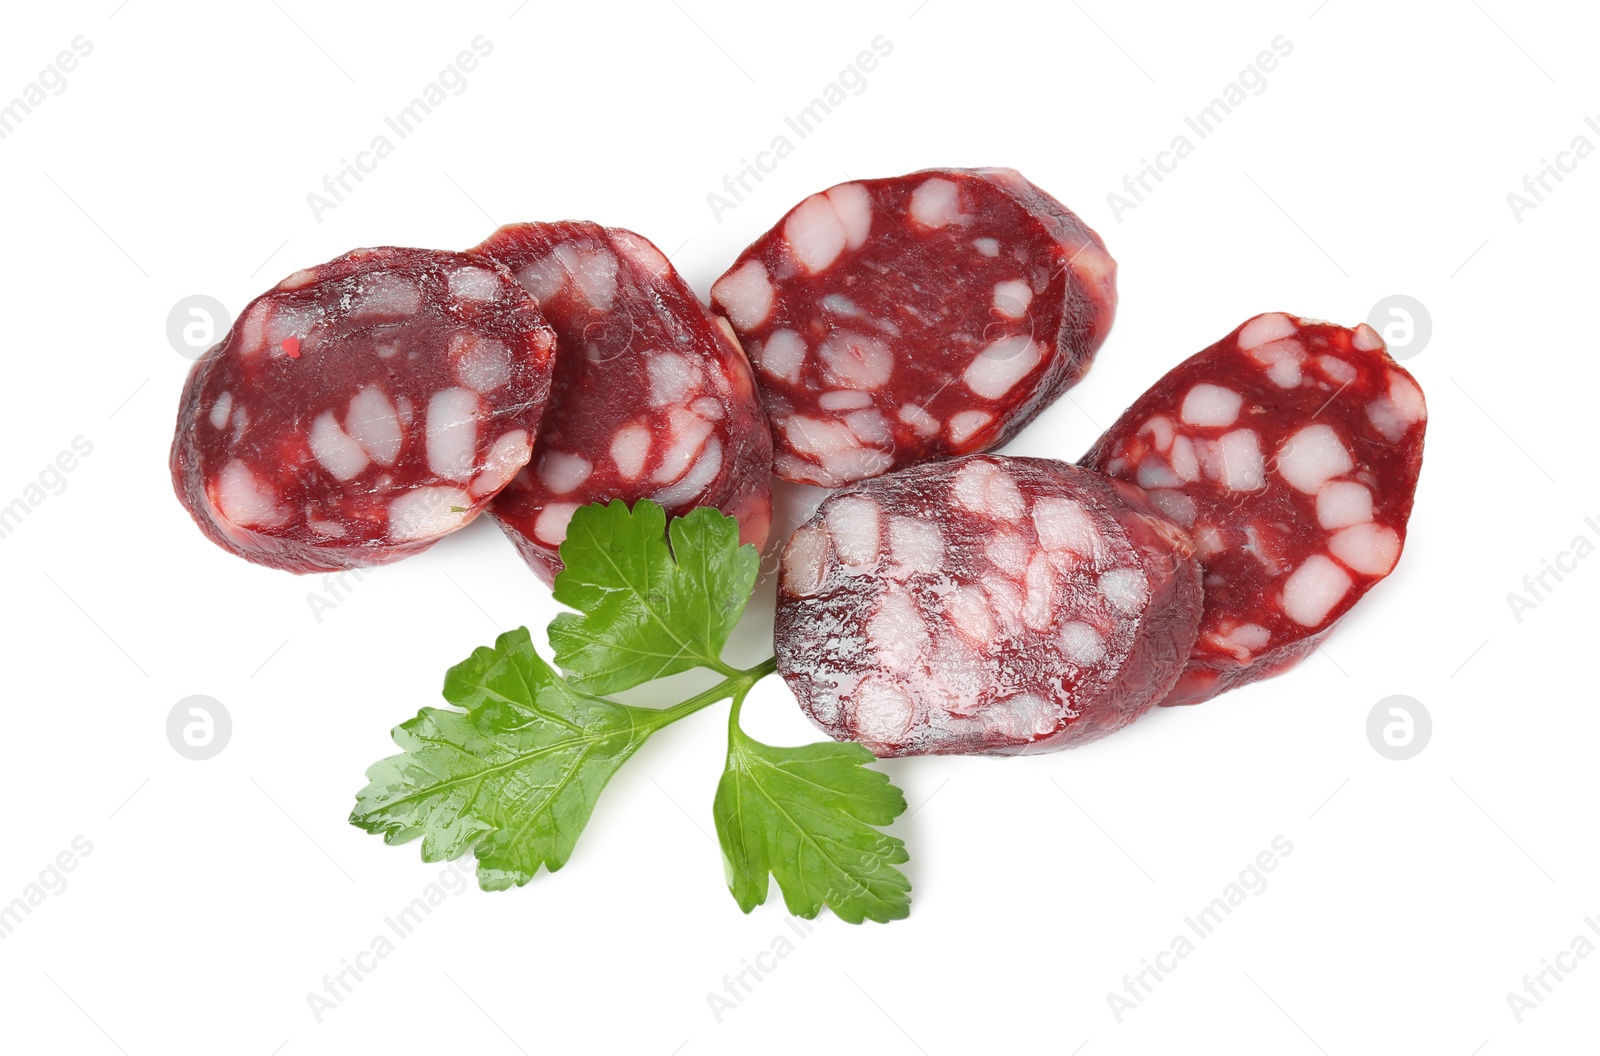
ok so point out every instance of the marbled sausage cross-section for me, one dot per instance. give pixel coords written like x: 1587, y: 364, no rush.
x: 361, y: 409
x: 984, y: 605
x: 652, y: 397
x: 1290, y: 450
x: 898, y: 320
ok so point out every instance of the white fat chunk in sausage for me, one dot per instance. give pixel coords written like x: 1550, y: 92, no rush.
x: 452, y: 433
x: 1337, y: 369
x: 815, y: 233
x: 844, y: 400
x: 965, y: 424
x: 783, y: 354
x: 1160, y: 431
x: 424, y: 513
x: 593, y: 272
x: 506, y: 458
x: 473, y: 284
x: 630, y: 449
x: 672, y: 379
x: 1282, y: 361
x: 1211, y: 405
x: 708, y: 407
x: 689, y: 434
x: 295, y: 320
x: 1155, y: 473
x: 1403, y: 407
x: 384, y: 294
x: 1366, y: 339
x: 1038, y: 609
x: 853, y: 205
x: 746, y: 294
x: 245, y: 501
x: 253, y: 328
x: 997, y: 369
x: 1341, y: 503
x: 1126, y: 589
x: 871, y: 427
x: 1243, y: 641
x: 701, y: 476
x: 333, y: 448
x: 985, y: 488
x: 915, y: 546
x: 1011, y: 298
x: 1081, y: 643
x: 220, y: 409
x: 883, y: 711
x: 1008, y: 552
x: 897, y: 630
x: 642, y: 253
x: 1024, y: 716
x: 1313, y: 455
x: 936, y: 203
x: 1370, y: 549
x: 1313, y: 589
x: 968, y: 608
x: 1177, y: 505
x: 1185, y: 463
x: 817, y: 437
x: 1266, y: 328
x: 1235, y: 460
x: 551, y: 525
x: 542, y: 278
x: 561, y: 472
x: 483, y: 363
x: 1094, y: 266
x: 853, y: 522
x: 987, y: 246
x: 374, y: 424
x: 805, y: 562
x: 1063, y: 524
x: 921, y: 422
x: 855, y: 361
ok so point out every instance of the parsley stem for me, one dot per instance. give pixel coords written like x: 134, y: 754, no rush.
x: 736, y: 685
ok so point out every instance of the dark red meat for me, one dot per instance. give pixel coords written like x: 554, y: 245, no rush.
x: 652, y: 398
x: 984, y: 605
x: 361, y: 409
x: 899, y: 320
x: 1290, y: 450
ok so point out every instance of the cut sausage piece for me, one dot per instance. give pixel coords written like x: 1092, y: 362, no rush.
x: 361, y: 409
x: 1290, y: 450
x: 898, y: 320
x: 652, y: 398
x: 984, y: 605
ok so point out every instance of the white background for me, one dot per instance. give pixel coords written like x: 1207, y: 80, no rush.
x: 218, y: 894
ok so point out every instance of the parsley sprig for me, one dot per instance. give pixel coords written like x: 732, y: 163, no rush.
x: 513, y: 770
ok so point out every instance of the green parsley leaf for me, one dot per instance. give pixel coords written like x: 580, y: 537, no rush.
x: 513, y: 777
x: 806, y: 816
x: 646, y: 610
